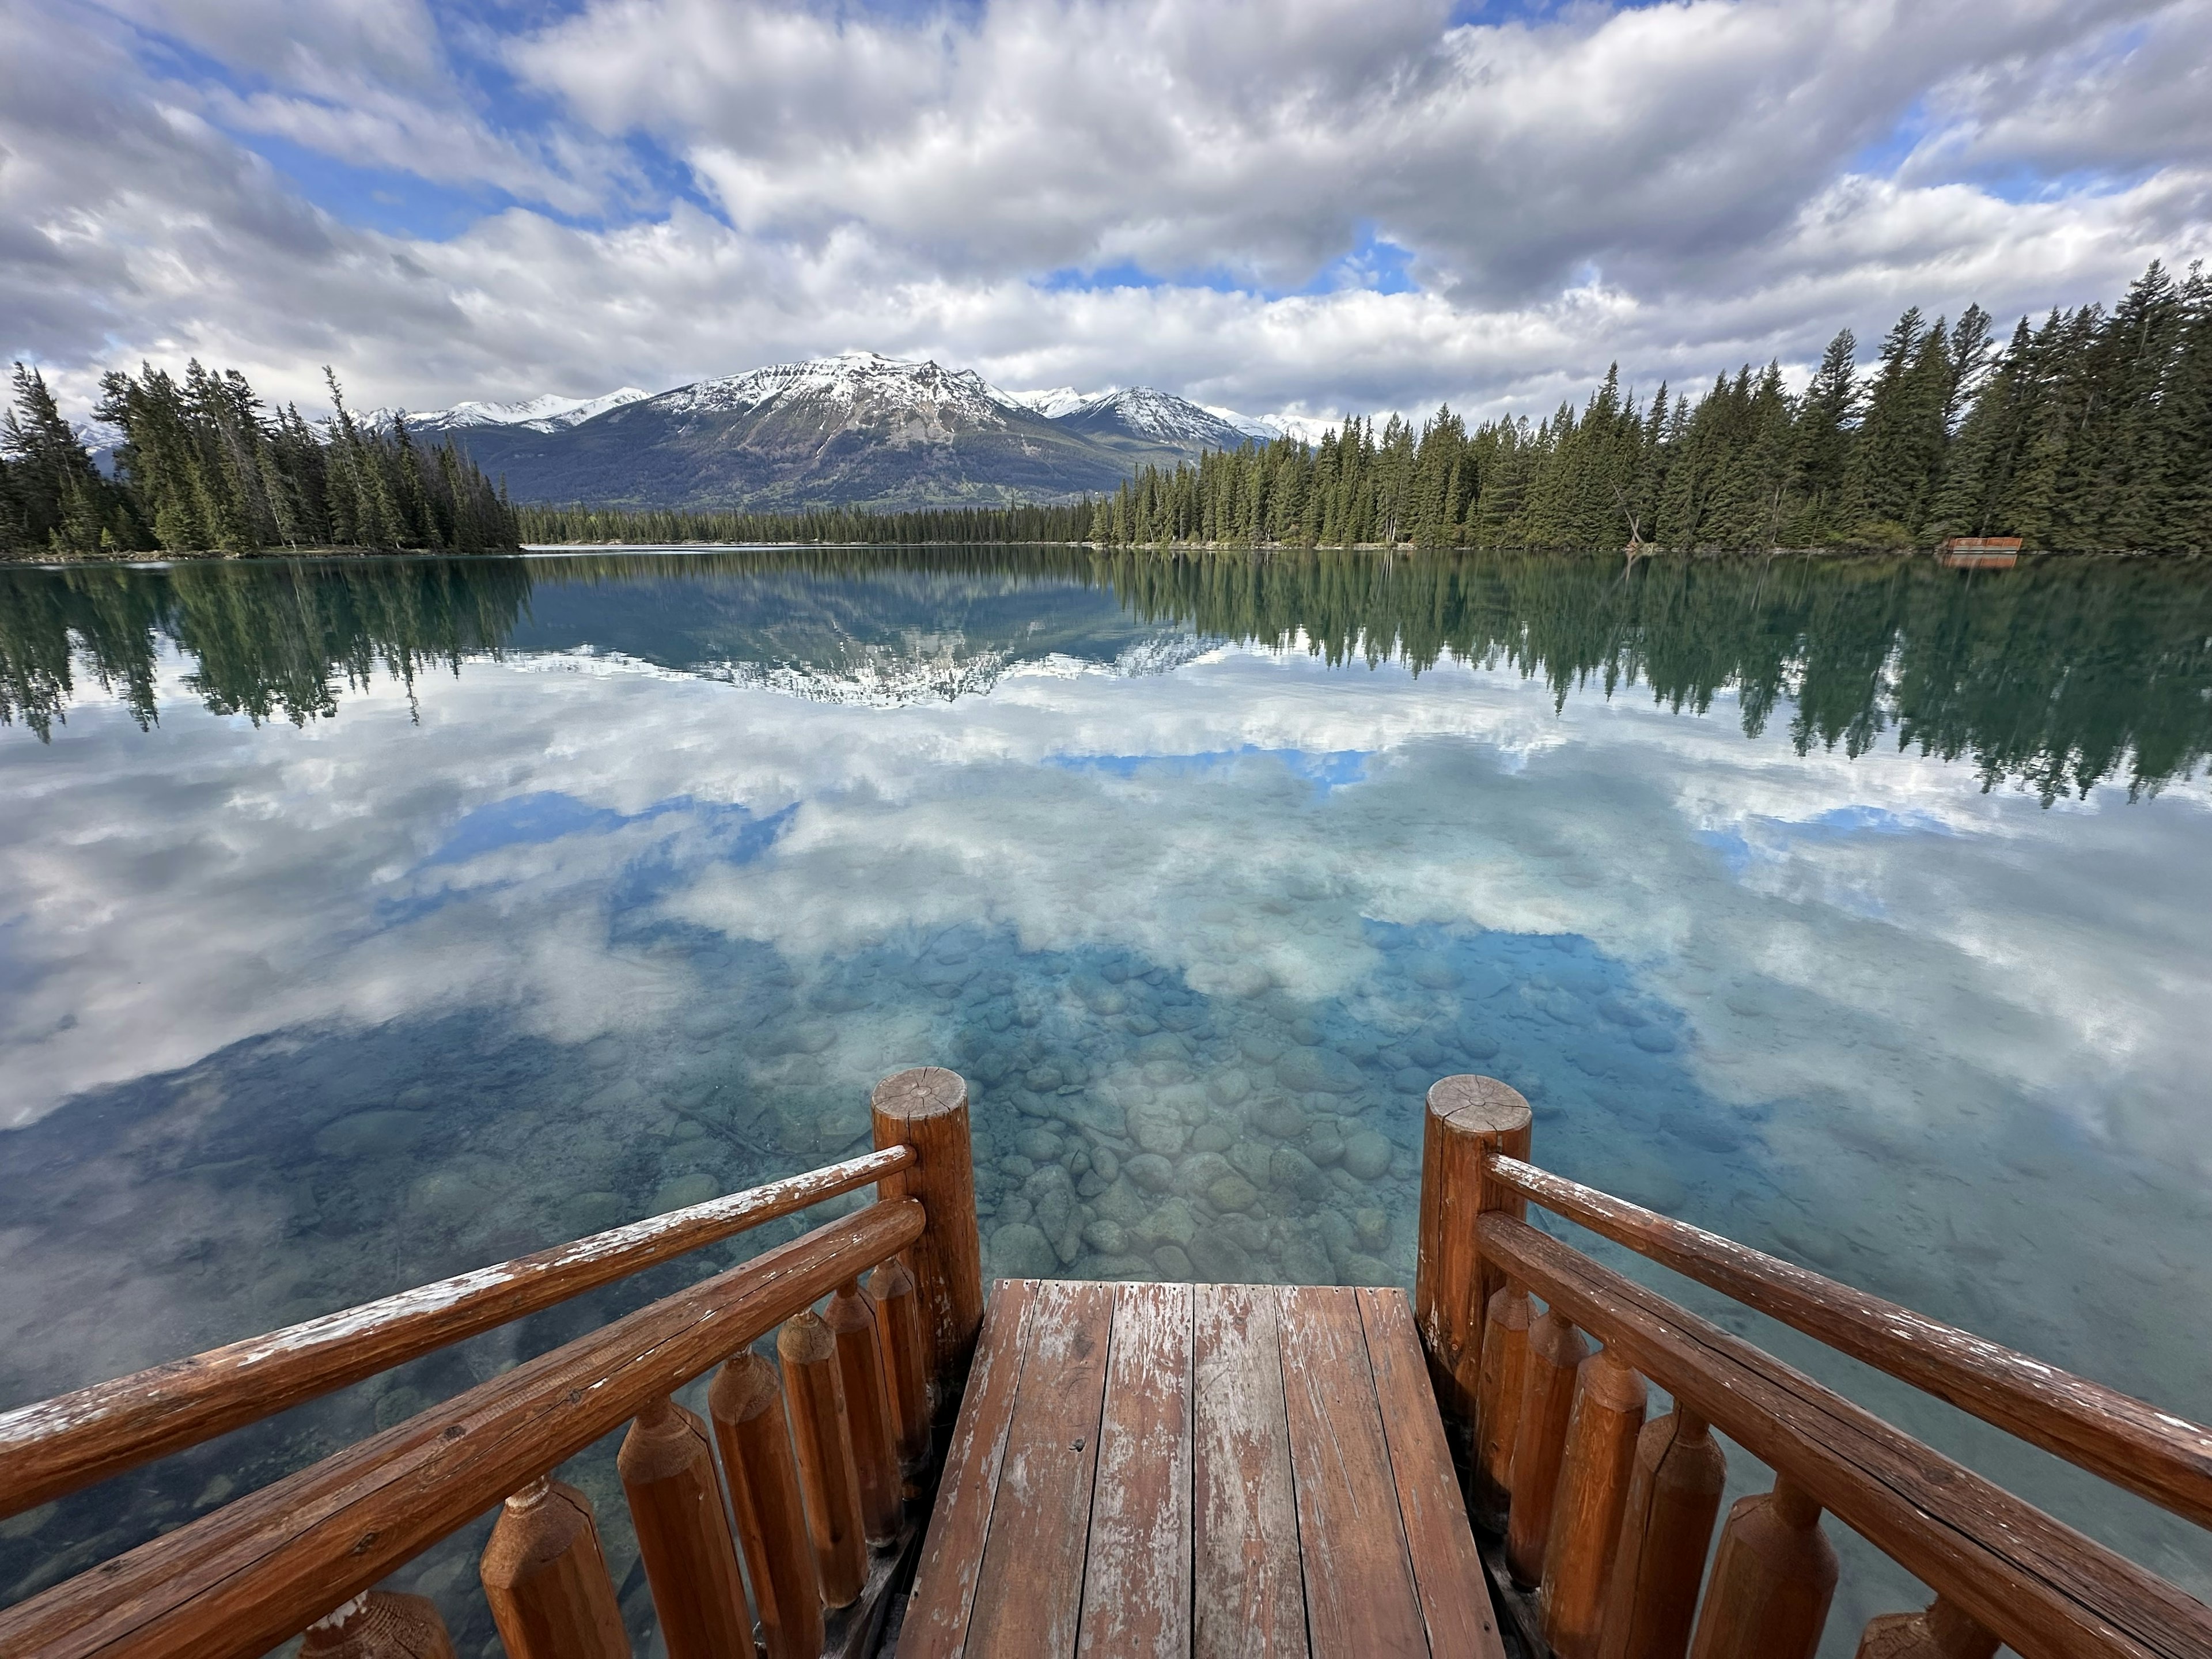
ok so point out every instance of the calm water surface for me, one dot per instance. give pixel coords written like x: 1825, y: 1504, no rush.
x: 364, y: 921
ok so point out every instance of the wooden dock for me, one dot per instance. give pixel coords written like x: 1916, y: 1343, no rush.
x: 1232, y: 1471
x: 1164, y: 1469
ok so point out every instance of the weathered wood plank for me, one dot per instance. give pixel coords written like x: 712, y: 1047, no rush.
x: 1249, y: 1598
x: 2159, y: 1455
x: 1447, y: 1571
x: 1360, y: 1598
x: 952, y: 1553
x: 1136, y: 1584
x: 1028, y: 1594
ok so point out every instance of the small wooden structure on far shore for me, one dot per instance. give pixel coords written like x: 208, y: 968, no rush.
x: 1980, y: 552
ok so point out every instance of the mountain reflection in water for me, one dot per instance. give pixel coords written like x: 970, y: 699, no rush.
x: 2057, y: 677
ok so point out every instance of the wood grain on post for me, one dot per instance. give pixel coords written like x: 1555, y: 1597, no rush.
x: 926, y: 1108
x: 2158, y: 1454
x: 906, y: 1365
x: 1941, y: 1631
x: 242, y: 1578
x: 1773, y: 1578
x: 1468, y: 1118
x: 851, y: 1317
x: 746, y: 1406
x: 823, y: 1438
x: 379, y: 1624
x: 667, y: 1467
x: 1497, y: 1405
x: 1608, y: 1412
x: 546, y: 1579
x: 55, y: 1446
x: 1667, y: 1524
x: 1556, y: 1352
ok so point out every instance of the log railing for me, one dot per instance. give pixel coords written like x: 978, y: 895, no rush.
x: 1604, y: 1520
x: 815, y: 1527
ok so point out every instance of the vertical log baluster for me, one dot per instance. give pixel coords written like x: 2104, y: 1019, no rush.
x: 546, y: 1579
x: 851, y: 1318
x: 1943, y: 1630
x: 667, y: 1467
x: 1556, y: 1352
x: 1773, y: 1578
x: 1497, y: 1405
x: 1674, y: 1499
x: 927, y: 1109
x: 822, y: 1436
x: 1468, y: 1118
x: 379, y: 1625
x: 746, y: 1405
x: 906, y: 1365
x: 1601, y: 1455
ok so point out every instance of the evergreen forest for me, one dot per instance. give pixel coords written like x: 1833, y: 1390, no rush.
x: 205, y: 466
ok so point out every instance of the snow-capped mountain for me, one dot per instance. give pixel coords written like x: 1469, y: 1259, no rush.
x: 1157, y: 416
x: 851, y: 381
x: 548, y: 413
x: 857, y: 428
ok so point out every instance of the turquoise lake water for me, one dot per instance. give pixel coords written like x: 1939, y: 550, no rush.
x: 363, y: 922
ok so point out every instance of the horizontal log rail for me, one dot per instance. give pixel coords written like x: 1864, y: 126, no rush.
x: 58, y: 1445
x: 2157, y: 1454
x: 240, y: 1580
x: 2045, y: 1590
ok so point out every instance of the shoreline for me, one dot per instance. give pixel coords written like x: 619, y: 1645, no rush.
x: 138, y: 559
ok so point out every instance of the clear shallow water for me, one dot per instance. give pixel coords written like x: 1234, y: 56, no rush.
x: 365, y: 921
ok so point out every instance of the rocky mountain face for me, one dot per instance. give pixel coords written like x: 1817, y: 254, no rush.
x: 858, y: 430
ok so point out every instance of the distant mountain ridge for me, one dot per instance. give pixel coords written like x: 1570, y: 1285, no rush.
x: 858, y: 430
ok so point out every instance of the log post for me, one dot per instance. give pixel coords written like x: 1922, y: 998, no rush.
x: 746, y: 1405
x: 1667, y: 1524
x: 1773, y: 1578
x: 379, y: 1625
x: 1556, y: 1352
x: 926, y: 1108
x: 851, y: 1317
x: 546, y: 1579
x: 823, y: 1436
x: 1941, y: 1631
x: 1608, y: 1412
x: 667, y: 1467
x: 1468, y: 1118
x: 1497, y: 1405
x: 906, y: 1365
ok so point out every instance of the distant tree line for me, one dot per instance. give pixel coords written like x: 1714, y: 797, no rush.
x: 2092, y: 431
x: 205, y: 466
x: 958, y: 525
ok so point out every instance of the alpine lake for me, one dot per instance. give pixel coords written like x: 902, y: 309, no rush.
x: 365, y: 920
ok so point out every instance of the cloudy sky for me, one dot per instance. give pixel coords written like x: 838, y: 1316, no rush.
x: 1277, y: 205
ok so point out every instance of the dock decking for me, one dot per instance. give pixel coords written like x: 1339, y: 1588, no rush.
x: 1211, y: 1470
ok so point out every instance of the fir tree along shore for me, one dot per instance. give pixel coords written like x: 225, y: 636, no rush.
x: 2089, y: 432
x: 205, y: 468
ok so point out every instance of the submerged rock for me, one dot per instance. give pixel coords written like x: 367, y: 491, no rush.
x: 1018, y: 1250
x: 1367, y: 1156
